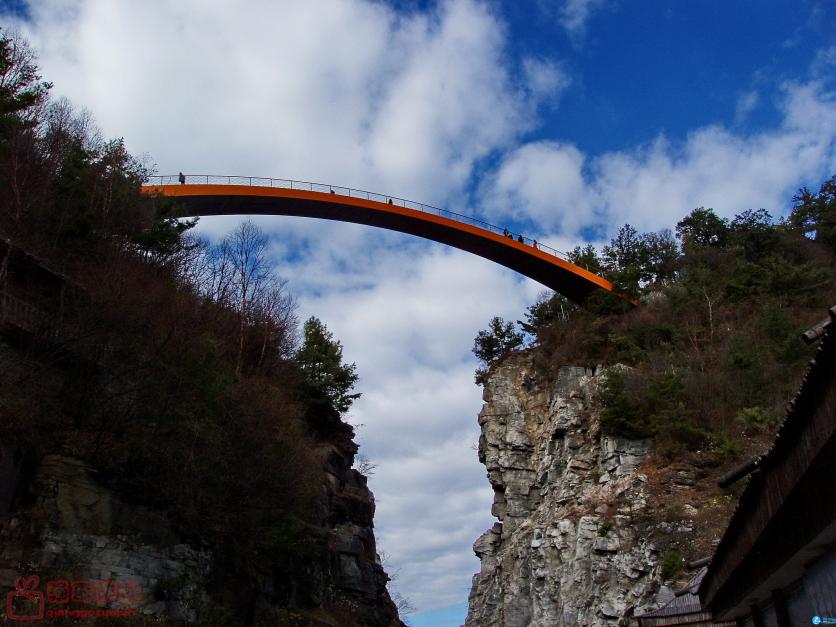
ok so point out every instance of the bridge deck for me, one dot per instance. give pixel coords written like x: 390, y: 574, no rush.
x: 541, y: 263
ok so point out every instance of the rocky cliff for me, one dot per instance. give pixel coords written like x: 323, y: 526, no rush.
x: 68, y: 526
x: 569, y: 547
x: 94, y: 548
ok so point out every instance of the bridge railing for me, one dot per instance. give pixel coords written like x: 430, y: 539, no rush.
x: 257, y: 181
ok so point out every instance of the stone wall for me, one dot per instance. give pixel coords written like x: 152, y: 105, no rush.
x: 566, y: 549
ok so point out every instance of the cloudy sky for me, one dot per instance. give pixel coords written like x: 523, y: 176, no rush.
x: 560, y: 118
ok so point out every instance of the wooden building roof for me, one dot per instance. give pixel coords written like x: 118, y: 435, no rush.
x: 786, y: 516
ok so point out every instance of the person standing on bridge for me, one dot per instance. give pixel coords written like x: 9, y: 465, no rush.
x: 521, y: 240
x: 182, y: 178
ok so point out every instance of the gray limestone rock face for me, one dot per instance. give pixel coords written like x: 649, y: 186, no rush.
x: 566, y: 551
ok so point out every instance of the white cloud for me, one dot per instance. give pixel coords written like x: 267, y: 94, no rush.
x: 715, y: 168
x: 545, y: 79
x: 543, y: 182
x: 654, y: 186
x: 576, y: 13
x: 573, y: 15
x: 746, y: 103
x: 348, y: 92
x: 431, y: 126
x: 825, y: 62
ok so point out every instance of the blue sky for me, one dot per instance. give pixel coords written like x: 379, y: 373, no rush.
x: 680, y: 65
x: 563, y: 118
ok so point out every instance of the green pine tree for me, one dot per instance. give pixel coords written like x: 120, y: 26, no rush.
x: 495, y: 342
x: 327, y: 379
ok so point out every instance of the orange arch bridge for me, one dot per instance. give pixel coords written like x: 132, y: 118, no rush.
x: 232, y: 195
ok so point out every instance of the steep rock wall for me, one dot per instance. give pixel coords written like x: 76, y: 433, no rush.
x: 567, y: 549
x: 60, y: 520
x: 71, y: 527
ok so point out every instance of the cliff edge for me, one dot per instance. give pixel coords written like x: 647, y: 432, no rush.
x: 568, y: 548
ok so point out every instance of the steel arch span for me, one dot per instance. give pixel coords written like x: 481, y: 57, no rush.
x: 231, y: 195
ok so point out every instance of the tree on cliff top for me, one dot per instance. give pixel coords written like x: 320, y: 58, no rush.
x: 702, y: 228
x: 65, y: 192
x: 22, y: 96
x: 21, y: 88
x: 328, y: 380
x: 815, y: 214
x: 493, y: 343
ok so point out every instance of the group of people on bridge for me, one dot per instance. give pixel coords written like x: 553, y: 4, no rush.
x: 520, y: 238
